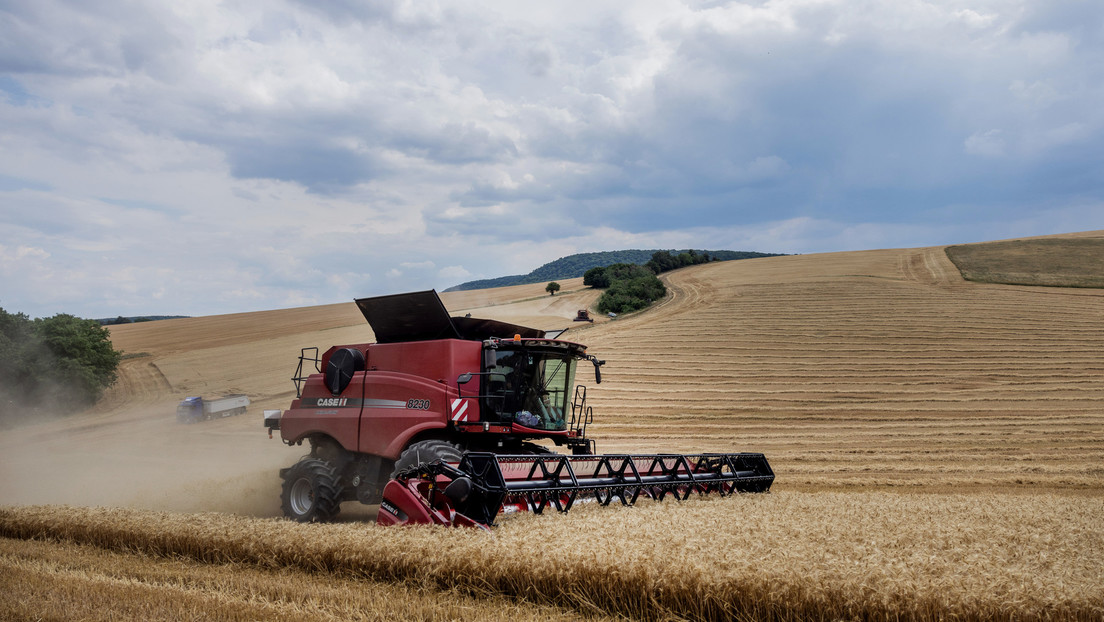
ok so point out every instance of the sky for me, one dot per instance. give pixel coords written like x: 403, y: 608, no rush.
x: 203, y: 157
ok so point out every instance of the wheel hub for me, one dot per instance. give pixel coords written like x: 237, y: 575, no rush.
x: 301, y: 497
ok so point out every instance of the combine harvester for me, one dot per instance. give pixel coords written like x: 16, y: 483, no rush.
x: 436, y: 422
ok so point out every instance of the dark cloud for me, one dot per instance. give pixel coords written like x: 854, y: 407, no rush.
x: 80, y: 39
x: 319, y: 168
x: 393, y: 13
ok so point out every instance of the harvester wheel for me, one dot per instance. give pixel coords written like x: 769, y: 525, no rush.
x: 311, y: 492
x: 426, y: 451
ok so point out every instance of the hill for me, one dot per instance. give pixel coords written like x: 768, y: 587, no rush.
x: 574, y: 266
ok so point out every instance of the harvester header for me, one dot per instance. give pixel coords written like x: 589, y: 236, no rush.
x: 482, y: 485
x: 440, y: 417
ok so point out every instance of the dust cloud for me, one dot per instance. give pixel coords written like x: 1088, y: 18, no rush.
x: 144, y: 458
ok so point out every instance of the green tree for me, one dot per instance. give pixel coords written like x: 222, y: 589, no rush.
x: 552, y: 288
x: 62, y: 363
x: 596, y: 278
x: 631, y: 294
x: 626, y: 271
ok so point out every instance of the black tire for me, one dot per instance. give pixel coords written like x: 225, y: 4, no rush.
x: 426, y: 451
x: 311, y: 492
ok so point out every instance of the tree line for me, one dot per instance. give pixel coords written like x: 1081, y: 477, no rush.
x: 53, y: 365
x: 576, y: 265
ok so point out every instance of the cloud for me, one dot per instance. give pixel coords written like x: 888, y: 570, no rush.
x: 988, y: 143
x: 453, y: 273
x: 199, y: 158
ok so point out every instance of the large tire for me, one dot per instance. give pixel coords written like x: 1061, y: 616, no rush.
x: 311, y: 492
x: 426, y: 451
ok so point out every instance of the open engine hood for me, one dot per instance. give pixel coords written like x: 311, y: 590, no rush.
x: 421, y: 316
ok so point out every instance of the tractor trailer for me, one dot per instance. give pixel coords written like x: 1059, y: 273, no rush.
x: 193, y: 409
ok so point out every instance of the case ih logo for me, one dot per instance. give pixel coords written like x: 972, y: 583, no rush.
x: 332, y: 402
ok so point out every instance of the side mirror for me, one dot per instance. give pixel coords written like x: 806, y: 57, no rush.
x: 463, y: 379
x: 597, y: 368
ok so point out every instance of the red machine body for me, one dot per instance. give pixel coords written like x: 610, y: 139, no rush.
x: 406, y: 392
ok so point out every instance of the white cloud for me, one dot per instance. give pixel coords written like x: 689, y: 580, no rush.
x: 214, y: 157
x: 989, y: 143
x: 453, y: 273
x: 12, y: 258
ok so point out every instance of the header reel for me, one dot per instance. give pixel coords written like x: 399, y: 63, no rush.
x: 482, y: 485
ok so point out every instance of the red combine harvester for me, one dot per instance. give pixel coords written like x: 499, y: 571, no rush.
x: 436, y: 422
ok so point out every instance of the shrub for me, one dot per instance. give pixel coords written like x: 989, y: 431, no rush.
x: 631, y: 294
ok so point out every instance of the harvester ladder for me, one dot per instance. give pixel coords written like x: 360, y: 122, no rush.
x: 298, y: 379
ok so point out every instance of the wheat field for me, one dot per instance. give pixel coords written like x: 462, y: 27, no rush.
x: 783, y: 556
x: 938, y: 446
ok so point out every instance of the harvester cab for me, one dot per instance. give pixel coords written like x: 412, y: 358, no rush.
x: 528, y: 383
x: 395, y: 421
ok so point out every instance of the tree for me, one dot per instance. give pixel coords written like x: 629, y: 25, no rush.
x: 58, y: 364
x: 631, y: 294
x: 626, y: 271
x: 596, y: 278
x: 552, y: 288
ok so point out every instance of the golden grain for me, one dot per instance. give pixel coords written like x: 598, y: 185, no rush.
x: 787, y: 555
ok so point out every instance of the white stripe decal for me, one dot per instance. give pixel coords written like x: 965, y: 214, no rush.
x: 459, y: 409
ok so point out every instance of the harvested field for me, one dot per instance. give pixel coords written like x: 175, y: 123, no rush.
x: 938, y: 445
x: 881, y: 369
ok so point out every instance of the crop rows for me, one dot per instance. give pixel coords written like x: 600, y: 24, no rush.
x: 872, y: 369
